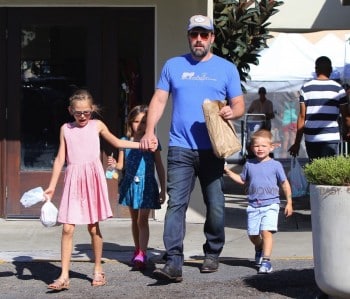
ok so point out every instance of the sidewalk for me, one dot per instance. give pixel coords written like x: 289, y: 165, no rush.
x: 30, y: 260
x: 28, y: 240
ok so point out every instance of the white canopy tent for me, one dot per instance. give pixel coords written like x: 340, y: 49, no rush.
x: 290, y: 56
x: 286, y: 65
x: 290, y: 60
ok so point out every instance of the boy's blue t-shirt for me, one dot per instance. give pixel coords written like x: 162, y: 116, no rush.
x: 191, y: 82
x: 263, y: 180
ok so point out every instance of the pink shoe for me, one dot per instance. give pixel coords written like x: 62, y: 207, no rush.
x: 136, y: 252
x: 140, y: 260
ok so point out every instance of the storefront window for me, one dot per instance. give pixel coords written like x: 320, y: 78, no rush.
x: 52, y: 67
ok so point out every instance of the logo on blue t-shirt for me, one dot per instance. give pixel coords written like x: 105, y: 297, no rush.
x: 193, y: 76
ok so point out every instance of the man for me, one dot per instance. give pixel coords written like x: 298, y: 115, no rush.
x: 263, y: 106
x: 190, y: 79
x: 320, y: 100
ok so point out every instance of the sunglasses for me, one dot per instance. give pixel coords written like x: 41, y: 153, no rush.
x: 80, y: 113
x: 194, y: 34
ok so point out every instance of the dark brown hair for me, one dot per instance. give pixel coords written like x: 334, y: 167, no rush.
x: 134, y: 112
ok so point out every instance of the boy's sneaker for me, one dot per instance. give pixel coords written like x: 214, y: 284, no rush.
x: 258, y: 257
x: 140, y: 260
x: 265, y: 267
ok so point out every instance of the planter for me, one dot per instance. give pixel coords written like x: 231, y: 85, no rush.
x: 330, y: 219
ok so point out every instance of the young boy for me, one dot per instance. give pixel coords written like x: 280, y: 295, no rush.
x: 263, y: 175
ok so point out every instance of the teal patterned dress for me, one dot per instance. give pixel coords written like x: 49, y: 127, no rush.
x: 139, y: 188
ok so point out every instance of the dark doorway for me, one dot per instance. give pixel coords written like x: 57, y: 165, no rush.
x: 49, y: 53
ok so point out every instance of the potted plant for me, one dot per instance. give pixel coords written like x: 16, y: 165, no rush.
x: 329, y: 180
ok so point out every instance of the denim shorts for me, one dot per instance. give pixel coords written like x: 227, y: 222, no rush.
x: 262, y: 218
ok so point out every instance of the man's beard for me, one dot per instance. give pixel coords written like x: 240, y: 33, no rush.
x: 199, y: 51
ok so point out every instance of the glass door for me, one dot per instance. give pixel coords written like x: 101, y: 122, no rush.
x: 52, y: 56
x: 50, y: 53
x: 52, y: 66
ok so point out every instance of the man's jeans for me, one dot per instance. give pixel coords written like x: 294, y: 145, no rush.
x: 184, y: 165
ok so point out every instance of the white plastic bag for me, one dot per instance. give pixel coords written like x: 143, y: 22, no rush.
x: 32, y: 197
x: 49, y: 214
x: 298, y: 182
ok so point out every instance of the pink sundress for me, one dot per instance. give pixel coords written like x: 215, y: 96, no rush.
x: 85, y: 196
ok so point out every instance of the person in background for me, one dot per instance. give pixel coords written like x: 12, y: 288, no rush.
x: 289, y: 125
x: 190, y: 79
x: 321, y: 101
x: 346, y: 137
x: 85, y: 197
x: 138, y: 188
x: 263, y: 106
x: 262, y: 176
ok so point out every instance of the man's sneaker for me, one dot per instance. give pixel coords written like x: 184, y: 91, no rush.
x: 210, y: 264
x: 258, y: 257
x: 140, y: 260
x: 265, y: 267
x: 168, y: 273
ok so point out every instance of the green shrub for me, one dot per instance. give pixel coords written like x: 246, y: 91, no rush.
x: 333, y: 171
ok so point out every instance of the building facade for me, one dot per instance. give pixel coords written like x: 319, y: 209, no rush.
x: 116, y: 49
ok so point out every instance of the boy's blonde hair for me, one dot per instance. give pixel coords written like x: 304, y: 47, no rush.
x: 262, y: 133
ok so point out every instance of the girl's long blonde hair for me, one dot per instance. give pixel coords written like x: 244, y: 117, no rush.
x: 83, y: 95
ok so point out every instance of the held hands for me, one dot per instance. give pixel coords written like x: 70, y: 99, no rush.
x: 149, y: 142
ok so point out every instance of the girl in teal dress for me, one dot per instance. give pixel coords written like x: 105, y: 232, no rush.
x: 138, y: 188
x: 289, y: 125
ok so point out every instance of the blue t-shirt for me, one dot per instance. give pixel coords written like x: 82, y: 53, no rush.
x: 263, y: 180
x: 191, y: 82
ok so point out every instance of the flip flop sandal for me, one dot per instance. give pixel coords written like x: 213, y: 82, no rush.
x: 99, y: 279
x: 59, y: 285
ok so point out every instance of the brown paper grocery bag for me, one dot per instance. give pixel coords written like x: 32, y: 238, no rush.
x: 222, y: 133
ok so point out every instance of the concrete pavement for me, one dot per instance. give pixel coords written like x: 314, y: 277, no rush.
x: 30, y: 260
x: 28, y: 240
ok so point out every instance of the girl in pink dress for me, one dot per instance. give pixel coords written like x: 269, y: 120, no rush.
x: 85, y: 196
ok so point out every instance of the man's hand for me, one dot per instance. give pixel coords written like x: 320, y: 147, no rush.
x: 294, y: 149
x: 346, y: 135
x: 226, y: 112
x: 149, y: 142
x: 346, y: 129
x: 288, y: 210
